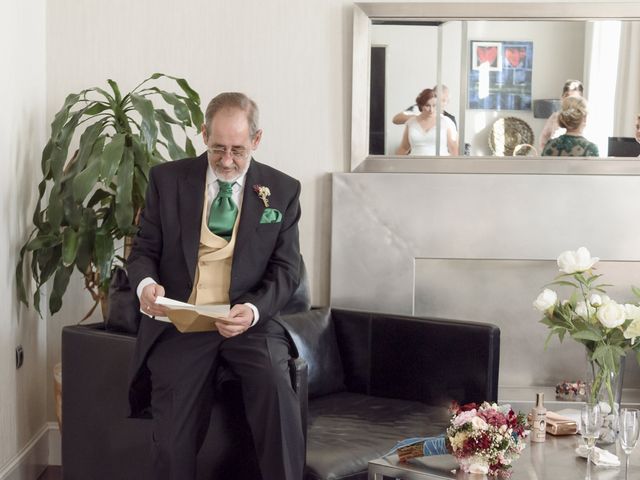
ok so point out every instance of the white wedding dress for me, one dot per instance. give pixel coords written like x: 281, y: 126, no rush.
x: 424, y: 142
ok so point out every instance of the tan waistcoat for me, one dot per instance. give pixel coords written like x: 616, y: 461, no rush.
x: 213, y: 270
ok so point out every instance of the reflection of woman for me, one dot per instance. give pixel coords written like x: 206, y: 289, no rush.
x: 573, y: 117
x: 571, y: 88
x: 638, y: 128
x: 419, y: 136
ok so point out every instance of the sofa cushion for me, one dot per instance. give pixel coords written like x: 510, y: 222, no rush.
x: 347, y: 430
x: 315, y: 338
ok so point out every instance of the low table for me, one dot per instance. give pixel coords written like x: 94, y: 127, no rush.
x: 552, y: 460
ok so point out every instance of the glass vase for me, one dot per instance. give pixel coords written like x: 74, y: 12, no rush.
x: 605, y: 387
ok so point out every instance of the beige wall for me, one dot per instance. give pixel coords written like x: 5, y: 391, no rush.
x: 22, y: 134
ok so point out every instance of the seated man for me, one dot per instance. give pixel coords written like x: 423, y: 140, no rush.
x: 412, y: 111
x: 218, y: 229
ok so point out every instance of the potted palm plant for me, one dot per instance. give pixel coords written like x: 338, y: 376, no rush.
x: 89, y: 202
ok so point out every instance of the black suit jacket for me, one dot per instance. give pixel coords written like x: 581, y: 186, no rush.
x: 266, y: 260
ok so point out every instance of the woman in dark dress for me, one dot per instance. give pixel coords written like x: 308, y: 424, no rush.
x: 573, y: 117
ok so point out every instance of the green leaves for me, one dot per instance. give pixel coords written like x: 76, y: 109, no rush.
x: 22, y: 291
x: 88, y: 202
x: 608, y: 356
x: 192, y: 100
x: 148, y: 126
x: 563, y: 282
x: 124, y: 204
x: 69, y: 247
x: 175, y: 151
x: 111, y: 157
x: 60, y: 283
x: 85, y: 181
x: 589, y: 334
x: 592, y: 319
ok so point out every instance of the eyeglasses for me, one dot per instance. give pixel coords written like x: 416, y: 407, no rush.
x: 238, y: 153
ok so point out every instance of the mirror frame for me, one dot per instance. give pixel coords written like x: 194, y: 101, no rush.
x: 363, y: 16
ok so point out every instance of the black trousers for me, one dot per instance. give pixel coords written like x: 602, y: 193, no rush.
x: 183, y: 368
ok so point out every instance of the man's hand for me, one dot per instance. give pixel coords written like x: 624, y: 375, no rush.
x: 239, y: 320
x: 148, y: 300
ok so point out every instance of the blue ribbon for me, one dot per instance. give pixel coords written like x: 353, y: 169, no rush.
x: 430, y: 445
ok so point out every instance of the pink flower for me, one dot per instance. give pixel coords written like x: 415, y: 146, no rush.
x: 463, y: 418
x: 493, y: 417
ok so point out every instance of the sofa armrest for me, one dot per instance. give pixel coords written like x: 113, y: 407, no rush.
x: 430, y: 360
x: 95, y: 373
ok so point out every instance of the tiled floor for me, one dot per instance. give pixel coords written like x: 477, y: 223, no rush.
x: 51, y: 473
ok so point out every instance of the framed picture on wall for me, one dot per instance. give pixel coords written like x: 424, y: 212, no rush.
x: 486, y: 56
x: 500, y: 75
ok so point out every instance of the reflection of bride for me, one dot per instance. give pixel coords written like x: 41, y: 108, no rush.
x: 419, y: 136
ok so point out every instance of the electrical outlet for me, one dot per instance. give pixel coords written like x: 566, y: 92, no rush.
x: 19, y: 356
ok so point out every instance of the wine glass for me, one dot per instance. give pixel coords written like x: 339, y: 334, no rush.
x: 590, y: 422
x: 629, y: 430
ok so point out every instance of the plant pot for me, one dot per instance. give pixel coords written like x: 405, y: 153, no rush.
x: 605, y: 387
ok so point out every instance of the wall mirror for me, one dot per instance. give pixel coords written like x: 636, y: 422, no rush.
x: 499, y: 61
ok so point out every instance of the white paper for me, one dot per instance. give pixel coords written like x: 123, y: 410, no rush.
x: 599, y: 457
x: 208, y: 310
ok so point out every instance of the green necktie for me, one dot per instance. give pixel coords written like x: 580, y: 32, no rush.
x: 223, y: 212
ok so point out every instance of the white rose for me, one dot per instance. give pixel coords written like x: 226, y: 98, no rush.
x: 479, y: 424
x: 633, y: 311
x: 575, y: 262
x: 633, y: 330
x: 595, y: 300
x: 479, y: 468
x: 545, y: 300
x: 611, y: 314
x: 581, y: 310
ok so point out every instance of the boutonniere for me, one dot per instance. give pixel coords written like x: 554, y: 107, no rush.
x: 263, y: 192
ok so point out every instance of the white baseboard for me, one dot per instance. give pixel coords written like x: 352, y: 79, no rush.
x: 55, y: 444
x: 42, y: 450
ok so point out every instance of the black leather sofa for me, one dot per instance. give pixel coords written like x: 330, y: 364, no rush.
x: 370, y: 379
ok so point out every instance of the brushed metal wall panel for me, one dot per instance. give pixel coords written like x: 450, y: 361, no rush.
x: 382, y: 222
x: 502, y: 292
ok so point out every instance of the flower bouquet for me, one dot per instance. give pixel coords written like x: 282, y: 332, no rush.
x: 484, y: 439
x: 607, y: 329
